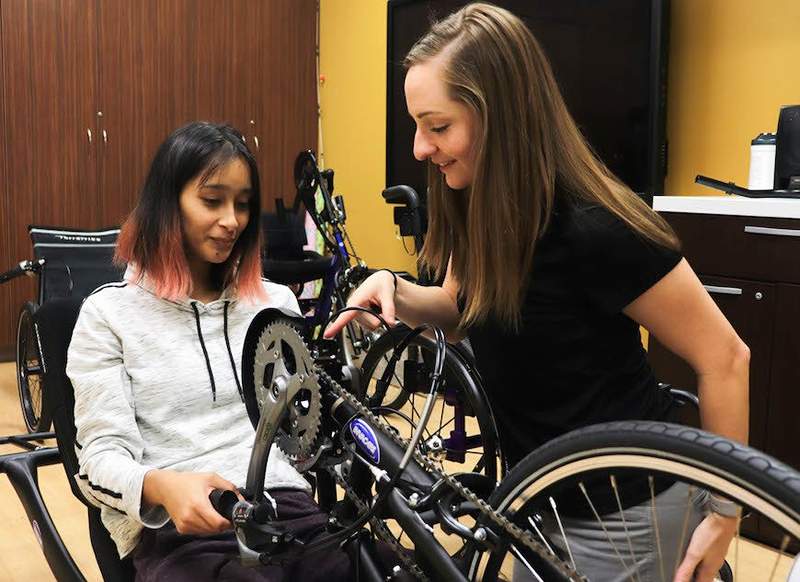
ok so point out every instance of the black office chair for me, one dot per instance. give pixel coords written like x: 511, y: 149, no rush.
x: 55, y: 320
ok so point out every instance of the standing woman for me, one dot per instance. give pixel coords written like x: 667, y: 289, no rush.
x: 550, y: 266
x: 154, y: 361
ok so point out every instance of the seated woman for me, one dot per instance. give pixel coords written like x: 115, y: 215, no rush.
x: 154, y: 362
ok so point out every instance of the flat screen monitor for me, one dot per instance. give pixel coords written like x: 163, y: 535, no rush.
x: 609, y: 58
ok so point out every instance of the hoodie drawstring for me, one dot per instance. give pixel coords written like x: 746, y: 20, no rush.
x: 205, y: 351
x: 227, y: 344
x: 230, y: 353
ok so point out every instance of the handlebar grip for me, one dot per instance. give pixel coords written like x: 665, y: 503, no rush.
x: 401, y: 195
x: 223, y: 501
x: 12, y: 273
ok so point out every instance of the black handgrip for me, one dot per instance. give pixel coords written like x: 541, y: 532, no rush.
x: 12, y: 273
x: 223, y: 501
x: 401, y: 195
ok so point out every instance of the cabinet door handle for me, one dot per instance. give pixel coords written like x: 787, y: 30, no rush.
x: 105, y: 136
x: 723, y: 290
x: 255, y: 139
x: 89, y: 134
x: 772, y: 231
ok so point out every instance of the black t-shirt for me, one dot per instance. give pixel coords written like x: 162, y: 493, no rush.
x: 577, y: 359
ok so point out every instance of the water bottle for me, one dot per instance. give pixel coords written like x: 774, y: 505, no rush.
x: 762, y: 162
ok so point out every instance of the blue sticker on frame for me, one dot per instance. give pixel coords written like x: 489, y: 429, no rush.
x: 366, y: 440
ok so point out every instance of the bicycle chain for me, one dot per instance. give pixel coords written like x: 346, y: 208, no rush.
x: 510, y: 528
x: 380, y: 529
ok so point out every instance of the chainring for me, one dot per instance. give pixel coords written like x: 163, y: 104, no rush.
x: 282, y: 355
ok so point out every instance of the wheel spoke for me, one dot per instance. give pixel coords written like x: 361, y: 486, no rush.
x: 602, y: 525
x: 625, y: 527
x: 539, y: 533
x: 563, y: 533
x: 522, y: 559
x: 784, y: 545
x: 655, y: 525
x: 684, y: 529
x: 736, y: 547
x: 442, y: 427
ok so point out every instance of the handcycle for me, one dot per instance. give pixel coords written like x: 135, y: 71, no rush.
x: 466, y: 431
x: 298, y: 401
x: 67, y: 262
x: 498, y: 524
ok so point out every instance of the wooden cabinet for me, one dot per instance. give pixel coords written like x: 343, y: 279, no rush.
x: 276, y: 135
x: 144, y: 91
x: 48, y: 78
x: 751, y: 269
x: 91, y: 87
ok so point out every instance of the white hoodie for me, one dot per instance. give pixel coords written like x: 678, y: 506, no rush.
x: 147, y: 397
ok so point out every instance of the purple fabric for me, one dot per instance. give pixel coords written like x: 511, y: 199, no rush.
x: 165, y: 555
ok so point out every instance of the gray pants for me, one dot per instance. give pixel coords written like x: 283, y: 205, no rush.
x: 594, y: 551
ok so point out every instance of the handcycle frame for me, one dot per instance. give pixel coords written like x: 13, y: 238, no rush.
x: 377, y: 459
x: 414, y: 494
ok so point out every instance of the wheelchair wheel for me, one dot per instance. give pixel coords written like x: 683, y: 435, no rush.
x: 30, y: 375
x: 568, y: 494
x: 461, y: 430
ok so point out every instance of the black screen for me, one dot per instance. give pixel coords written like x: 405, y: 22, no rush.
x: 609, y: 58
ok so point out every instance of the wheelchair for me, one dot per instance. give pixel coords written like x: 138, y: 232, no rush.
x: 68, y: 262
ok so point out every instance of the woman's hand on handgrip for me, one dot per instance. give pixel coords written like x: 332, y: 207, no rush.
x: 185, y: 498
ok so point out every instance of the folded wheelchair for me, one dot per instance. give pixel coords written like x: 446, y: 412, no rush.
x: 67, y: 263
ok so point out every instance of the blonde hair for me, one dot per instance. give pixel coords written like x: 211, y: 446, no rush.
x: 526, y: 142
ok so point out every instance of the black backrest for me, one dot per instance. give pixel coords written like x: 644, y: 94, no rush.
x: 55, y: 320
x: 284, y: 233
x: 76, y: 261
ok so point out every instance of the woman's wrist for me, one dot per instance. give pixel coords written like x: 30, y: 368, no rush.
x: 722, y: 506
x: 394, y: 277
x: 151, y: 488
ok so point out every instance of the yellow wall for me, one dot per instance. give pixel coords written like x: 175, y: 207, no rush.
x: 733, y: 63
x: 353, y: 113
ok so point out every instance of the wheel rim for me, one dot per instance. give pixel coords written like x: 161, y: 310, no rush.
x: 29, y: 373
x: 523, y: 503
x: 454, y: 433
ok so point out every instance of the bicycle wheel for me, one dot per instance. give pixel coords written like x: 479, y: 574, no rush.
x: 30, y: 375
x: 461, y: 430
x: 609, y: 466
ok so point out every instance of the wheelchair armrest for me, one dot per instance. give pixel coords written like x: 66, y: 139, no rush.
x: 681, y: 396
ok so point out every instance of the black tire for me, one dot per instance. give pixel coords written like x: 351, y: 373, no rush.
x: 373, y: 365
x: 30, y: 375
x: 748, y: 477
x: 458, y: 376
